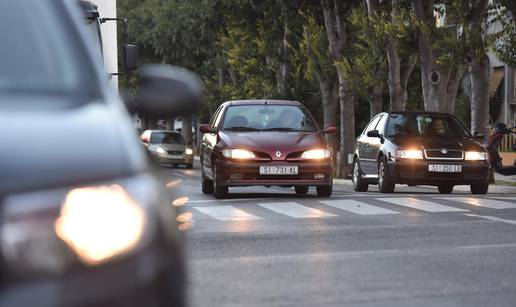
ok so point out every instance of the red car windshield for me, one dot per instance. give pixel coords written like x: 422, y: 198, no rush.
x: 267, y: 118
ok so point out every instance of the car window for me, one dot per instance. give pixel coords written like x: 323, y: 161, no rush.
x: 268, y: 117
x: 381, y: 124
x: 215, y: 116
x: 372, y: 124
x: 425, y: 125
x: 39, y: 53
x: 166, y: 138
x: 218, y: 118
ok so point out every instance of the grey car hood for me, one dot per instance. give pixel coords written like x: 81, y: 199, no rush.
x: 59, y: 147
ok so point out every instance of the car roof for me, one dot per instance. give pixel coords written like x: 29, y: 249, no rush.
x: 420, y: 112
x: 164, y: 131
x: 262, y: 102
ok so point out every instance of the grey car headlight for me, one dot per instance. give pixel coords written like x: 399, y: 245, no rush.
x: 48, y: 231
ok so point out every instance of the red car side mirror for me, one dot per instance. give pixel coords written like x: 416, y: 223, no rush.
x: 330, y: 130
x: 205, y: 128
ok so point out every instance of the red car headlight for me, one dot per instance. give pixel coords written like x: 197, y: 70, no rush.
x: 316, y: 154
x: 240, y: 154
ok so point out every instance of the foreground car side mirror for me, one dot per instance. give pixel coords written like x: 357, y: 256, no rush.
x: 167, y: 91
x: 374, y: 134
x: 330, y: 130
x: 205, y: 128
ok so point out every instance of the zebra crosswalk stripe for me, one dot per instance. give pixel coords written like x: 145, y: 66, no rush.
x: 295, y: 210
x: 227, y: 213
x: 357, y: 207
x: 485, y: 202
x: 422, y: 205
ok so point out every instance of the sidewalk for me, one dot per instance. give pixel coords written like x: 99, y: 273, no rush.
x: 505, y: 180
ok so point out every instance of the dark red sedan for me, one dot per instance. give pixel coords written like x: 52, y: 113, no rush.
x: 265, y: 142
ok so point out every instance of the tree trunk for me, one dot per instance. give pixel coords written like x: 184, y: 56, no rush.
x: 376, y: 101
x: 170, y: 124
x: 330, y: 98
x: 480, y: 95
x: 347, y: 125
x: 186, y: 131
x: 337, y: 38
x: 439, y: 83
x: 399, y: 71
x: 283, y: 74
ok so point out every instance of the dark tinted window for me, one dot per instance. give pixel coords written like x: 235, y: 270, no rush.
x: 424, y: 125
x: 381, y: 124
x: 372, y: 124
x: 38, y: 51
x: 268, y: 117
x: 166, y: 138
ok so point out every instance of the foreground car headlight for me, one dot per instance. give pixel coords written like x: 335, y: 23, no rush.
x: 476, y: 156
x: 161, y: 151
x: 413, y: 154
x: 238, y: 154
x: 50, y: 231
x: 189, y: 151
x: 100, y: 222
x: 316, y: 154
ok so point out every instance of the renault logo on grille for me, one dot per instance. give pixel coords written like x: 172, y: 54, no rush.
x: 444, y: 151
x: 278, y: 153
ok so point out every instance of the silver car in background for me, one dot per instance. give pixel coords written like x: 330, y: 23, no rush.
x: 168, y: 147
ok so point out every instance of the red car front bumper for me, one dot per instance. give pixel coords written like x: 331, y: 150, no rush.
x: 237, y: 174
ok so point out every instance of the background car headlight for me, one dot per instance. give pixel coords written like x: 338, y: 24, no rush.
x: 238, y: 154
x: 414, y: 154
x: 476, y: 156
x: 161, y: 151
x: 316, y: 154
x: 189, y: 151
x: 49, y: 231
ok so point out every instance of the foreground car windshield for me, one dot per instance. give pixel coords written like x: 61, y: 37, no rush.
x: 424, y: 125
x: 267, y: 118
x: 166, y: 138
x: 38, y: 54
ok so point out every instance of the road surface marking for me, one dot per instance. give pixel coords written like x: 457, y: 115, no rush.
x: 357, y: 207
x: 484, y: 202
x: 295, y: 210
x: 227, y: 213
x: 492, y: 218
x: 200, y: 201
x: 422, y: 205
x: 314, y: 257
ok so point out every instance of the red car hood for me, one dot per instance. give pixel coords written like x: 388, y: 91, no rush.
x: 271, y: 142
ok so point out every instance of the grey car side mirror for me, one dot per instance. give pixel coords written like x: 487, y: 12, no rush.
x: 167, y: 91
x: 374, y: 134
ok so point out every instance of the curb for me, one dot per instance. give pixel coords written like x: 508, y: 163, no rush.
x: 500, y: 189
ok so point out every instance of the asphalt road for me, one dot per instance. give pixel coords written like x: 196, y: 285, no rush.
x: 269, y: 247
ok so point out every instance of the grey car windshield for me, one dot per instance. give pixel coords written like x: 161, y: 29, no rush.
x: 267, y: 118
x: 166, y: 138
x: 424, y: 125
x: 39, y: 52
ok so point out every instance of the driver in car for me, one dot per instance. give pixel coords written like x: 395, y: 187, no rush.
x: 438, y: 127
x: 287, y: 119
